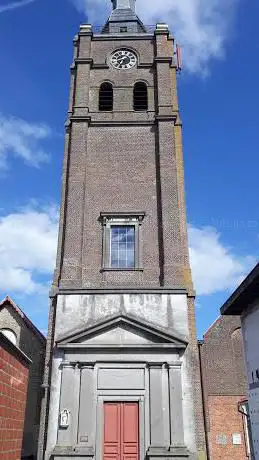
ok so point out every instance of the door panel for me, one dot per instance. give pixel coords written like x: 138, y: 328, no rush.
x: 112, y: 436
x: 121, y: 431
x: 129, y: 428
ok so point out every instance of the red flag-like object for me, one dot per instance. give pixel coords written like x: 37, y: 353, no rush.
x: 179, y: 57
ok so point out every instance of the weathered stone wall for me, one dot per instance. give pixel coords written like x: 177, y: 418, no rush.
x: 168, y: 311
x: 76, y: 313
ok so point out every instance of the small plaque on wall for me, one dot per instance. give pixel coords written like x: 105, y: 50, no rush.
x: 222, y: 439
x: 83, y: 438
x: 237, y: 439
x: 64, y: 418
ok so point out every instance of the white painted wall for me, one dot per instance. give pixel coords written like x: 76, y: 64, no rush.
x: 250, y: 327
x: 167, y: 311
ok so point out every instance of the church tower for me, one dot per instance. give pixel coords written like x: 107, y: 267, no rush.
x: 122, y: 371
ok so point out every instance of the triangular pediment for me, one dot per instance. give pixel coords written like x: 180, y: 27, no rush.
x: 120, y: 334
x: 122, y: 330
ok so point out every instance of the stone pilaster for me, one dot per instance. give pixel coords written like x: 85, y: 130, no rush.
x: 176, y: 406
x: 159, y: 405
x: 69, y: 399
x: 74, y: 211
x: 87, y: 407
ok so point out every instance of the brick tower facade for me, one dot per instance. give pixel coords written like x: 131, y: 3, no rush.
x: 122, y: 370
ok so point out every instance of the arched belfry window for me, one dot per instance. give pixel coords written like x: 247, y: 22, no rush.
x: 140, y: 97
x: 106, y: 97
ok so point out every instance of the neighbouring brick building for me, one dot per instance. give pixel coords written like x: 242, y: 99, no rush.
x: 20, y: 331
x: 14, y: 375
x: 244, y: 303
x: 225, y: 390
x: 122, y: 373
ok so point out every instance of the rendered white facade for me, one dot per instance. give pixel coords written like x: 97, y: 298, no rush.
x: 250, y: 328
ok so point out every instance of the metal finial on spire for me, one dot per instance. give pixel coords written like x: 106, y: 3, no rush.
x: 123, y: 18
x: 124, y: 4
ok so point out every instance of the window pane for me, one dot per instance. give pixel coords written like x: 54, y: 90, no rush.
x: 123, y: 259
x: 122, y: 246
x: 10, y: 335
x: 131, y: 259
x: 114, y: 259
x: 131, y: 234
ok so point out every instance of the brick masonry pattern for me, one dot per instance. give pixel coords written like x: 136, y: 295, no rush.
x: 13, y: 393
x: 225, y: 420
x: 34, y: 348
x: 225, y: 384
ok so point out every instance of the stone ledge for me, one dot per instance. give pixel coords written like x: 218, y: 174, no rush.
x: 75, y: 452
x: 66, y: 290
x: 72, y: 451
x: 163, y: 452
x: 73, y: 455
x: 114, y: 36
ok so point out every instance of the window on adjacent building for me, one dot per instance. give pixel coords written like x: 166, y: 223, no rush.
x: 10, y: 335
x: 140, y: 97
x: 121, y: 241
x: 243, y: 408
x: 106, y: 97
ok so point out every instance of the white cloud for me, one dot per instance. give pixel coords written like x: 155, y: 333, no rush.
x: 14, y: 5
x: 22, y: 139
x: 28, y: 240
x: 96, y: 12
x: 202, y: 27
x: 215, y: 267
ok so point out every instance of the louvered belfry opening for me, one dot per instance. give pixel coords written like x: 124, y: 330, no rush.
x: 106, y: 97
x: 140, y: 97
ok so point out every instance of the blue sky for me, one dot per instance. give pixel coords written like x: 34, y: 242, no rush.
x: 219, y: 99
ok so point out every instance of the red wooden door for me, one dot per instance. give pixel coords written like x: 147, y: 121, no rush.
x: 121, y: 431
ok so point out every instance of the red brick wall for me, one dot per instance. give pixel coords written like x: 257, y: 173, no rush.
x: 225, y: 420
x: 224, y: 386
x: 13, y: 392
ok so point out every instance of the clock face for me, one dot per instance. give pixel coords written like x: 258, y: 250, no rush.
x: 123, y: 59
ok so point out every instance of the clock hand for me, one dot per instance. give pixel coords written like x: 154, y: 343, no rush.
x: 119, y: 60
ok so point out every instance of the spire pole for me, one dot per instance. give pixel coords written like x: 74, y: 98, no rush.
x: 123, y: 19
x: 124, y: 4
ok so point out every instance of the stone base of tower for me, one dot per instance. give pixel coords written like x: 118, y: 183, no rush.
x: 121, y: 377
